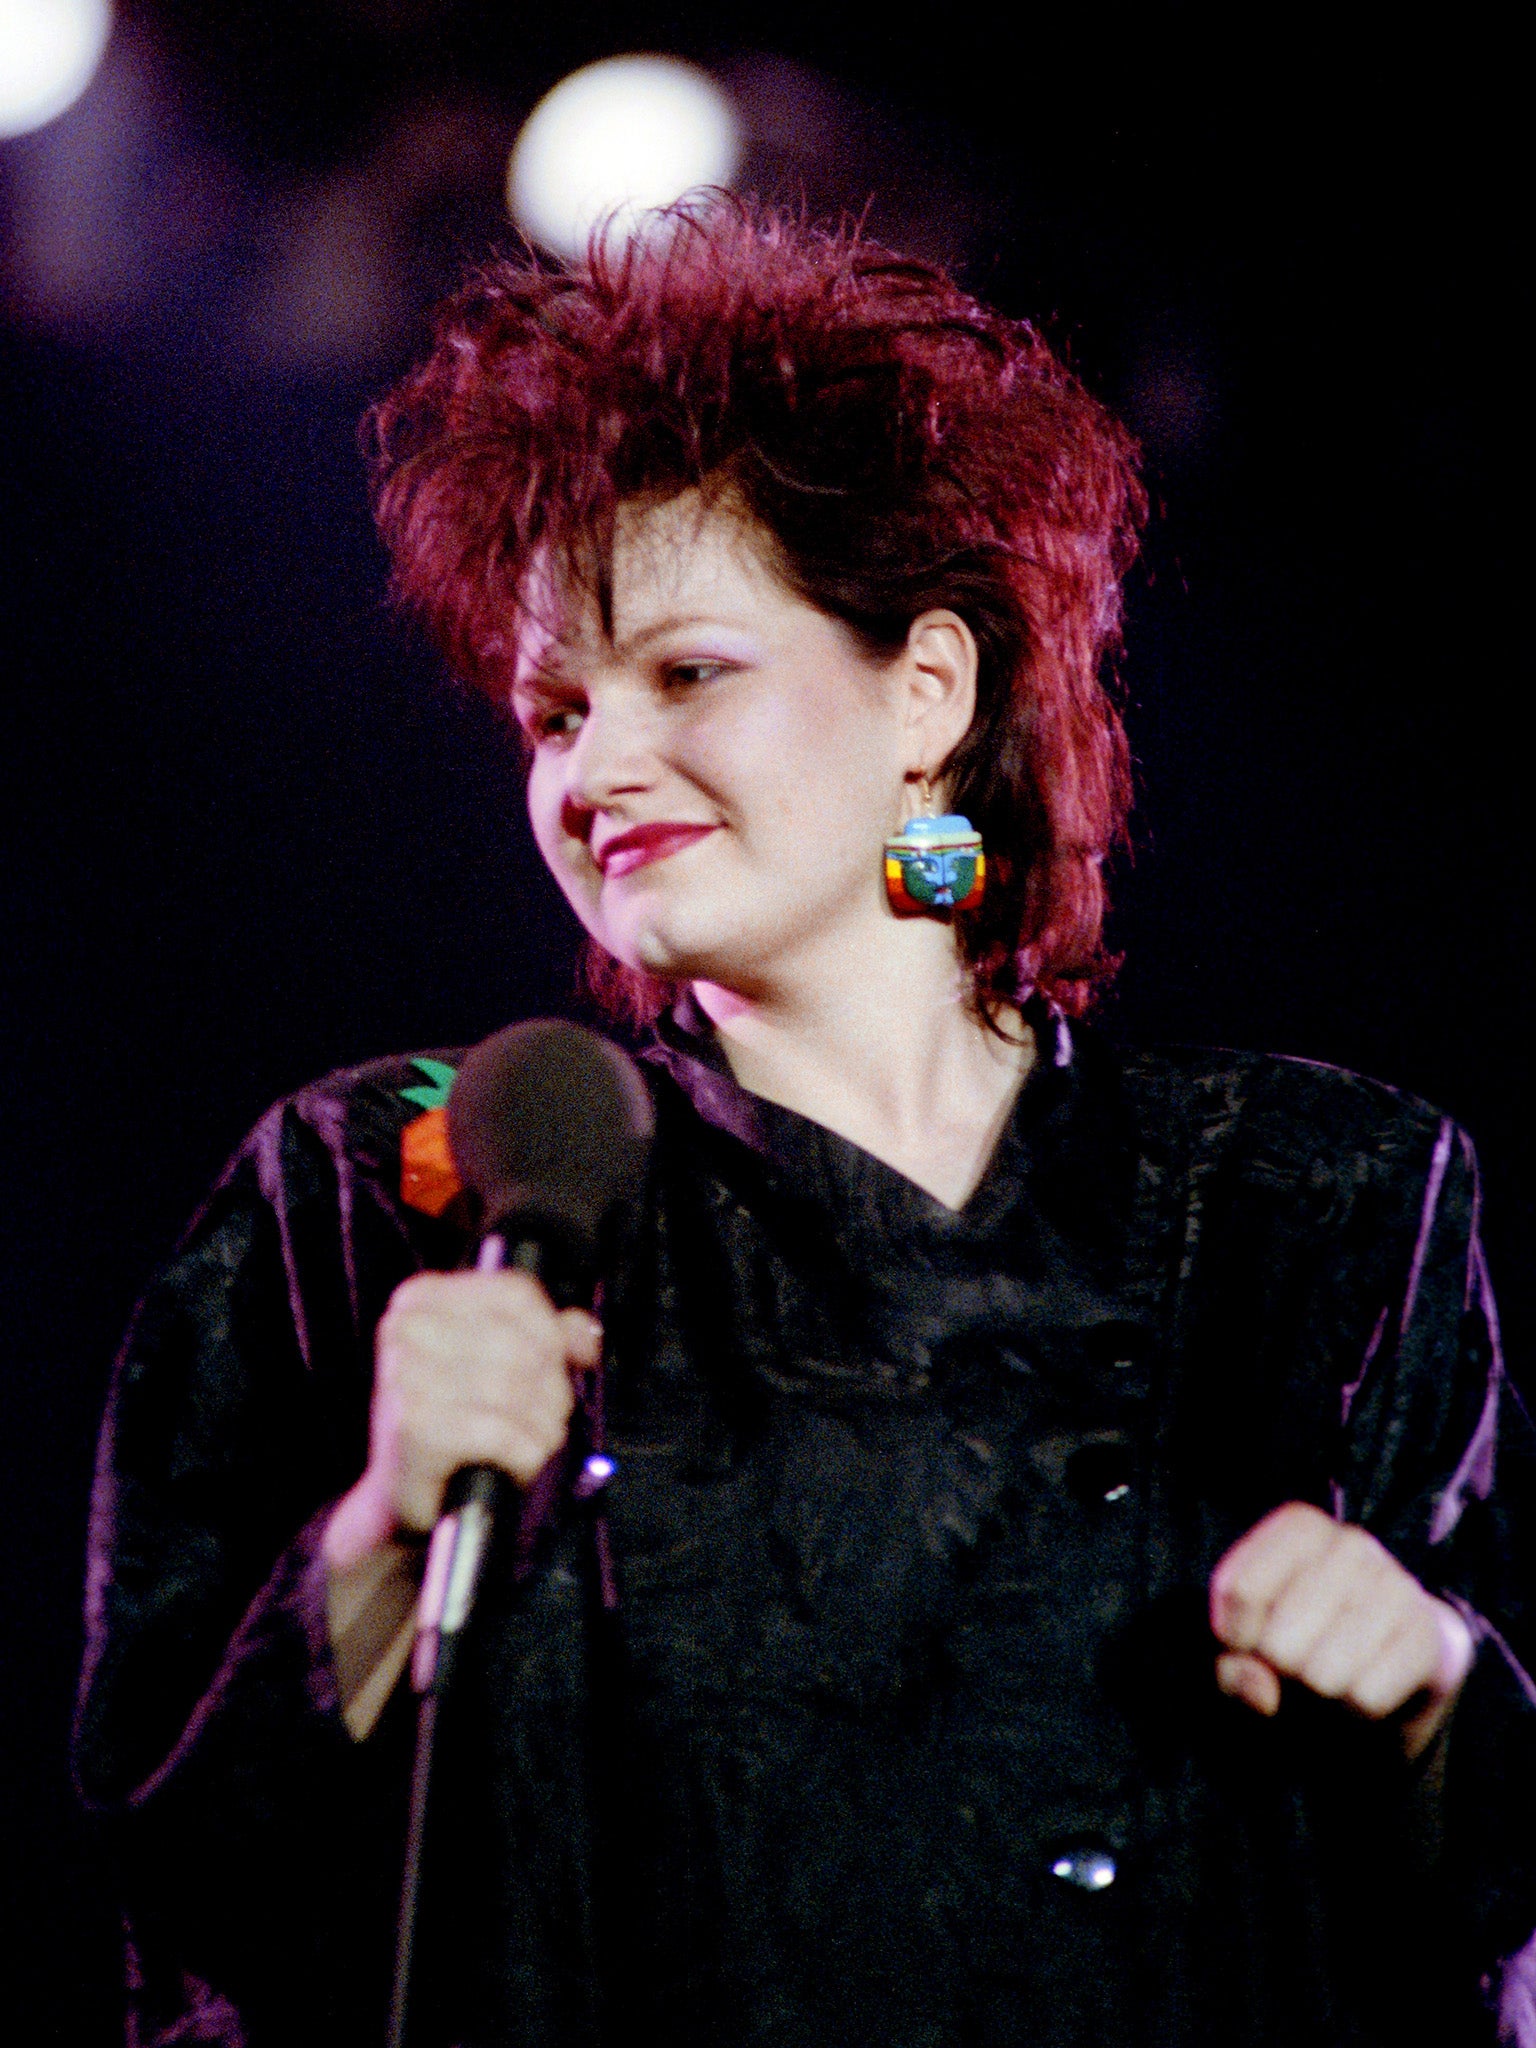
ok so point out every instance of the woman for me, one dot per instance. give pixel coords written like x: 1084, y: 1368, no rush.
x: 1055, y: 1543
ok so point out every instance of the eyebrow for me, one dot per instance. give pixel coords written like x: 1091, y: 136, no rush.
x: 547, y: 672
x: 550, y: 664
x: 673, y: 623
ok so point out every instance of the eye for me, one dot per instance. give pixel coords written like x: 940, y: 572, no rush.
x: 564, y: 722
x: 547, y: 723
x: 703, y: 670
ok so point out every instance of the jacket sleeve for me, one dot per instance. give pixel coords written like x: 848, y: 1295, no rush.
x: 1440, y: 1463
x: 254, y: 1839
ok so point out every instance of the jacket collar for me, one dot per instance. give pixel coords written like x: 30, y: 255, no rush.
x: 686, y: 1046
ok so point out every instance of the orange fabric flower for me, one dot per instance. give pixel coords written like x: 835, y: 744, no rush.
x: 427, y: 1178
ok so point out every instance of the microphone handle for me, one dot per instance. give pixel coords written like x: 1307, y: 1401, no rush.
x: 472, y: 1504
x: 472, y: 1501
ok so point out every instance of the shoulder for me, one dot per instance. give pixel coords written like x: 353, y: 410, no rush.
x: 1295, y: 1116
x: 343, y: 1130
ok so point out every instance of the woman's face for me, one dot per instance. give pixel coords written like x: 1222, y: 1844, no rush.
x: 712, y: 785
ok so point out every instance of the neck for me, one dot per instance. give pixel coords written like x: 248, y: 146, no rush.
x: 892, y: 1057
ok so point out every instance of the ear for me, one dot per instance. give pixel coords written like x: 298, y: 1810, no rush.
x: 939, y: 673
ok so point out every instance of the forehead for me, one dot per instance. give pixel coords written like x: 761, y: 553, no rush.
x: 686, y: 558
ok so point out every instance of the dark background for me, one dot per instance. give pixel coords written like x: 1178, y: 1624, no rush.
x: 254, y: 834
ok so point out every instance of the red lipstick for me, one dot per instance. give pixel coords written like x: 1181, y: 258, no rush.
x: 642, y: 844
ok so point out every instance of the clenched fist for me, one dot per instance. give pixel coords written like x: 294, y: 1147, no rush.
x: 470, y: 1369
x: 1321, y: 1602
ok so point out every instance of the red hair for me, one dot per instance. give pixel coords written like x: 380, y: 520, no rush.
x: 902, y: 446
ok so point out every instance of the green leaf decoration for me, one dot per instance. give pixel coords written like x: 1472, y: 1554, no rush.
x: 440, y: 1075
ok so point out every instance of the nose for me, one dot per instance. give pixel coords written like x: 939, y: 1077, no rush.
x: 612, y: 756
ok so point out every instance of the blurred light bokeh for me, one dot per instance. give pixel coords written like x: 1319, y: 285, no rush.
x: 49, y: 51
x: 614, y: 141
x: 205, y: 201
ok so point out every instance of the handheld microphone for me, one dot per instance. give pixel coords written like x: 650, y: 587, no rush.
x: 550, y: 1128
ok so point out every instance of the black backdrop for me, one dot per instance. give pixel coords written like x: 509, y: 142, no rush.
x: 255, y: 834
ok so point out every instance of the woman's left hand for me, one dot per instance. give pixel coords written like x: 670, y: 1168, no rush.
x: 1321, y: 1602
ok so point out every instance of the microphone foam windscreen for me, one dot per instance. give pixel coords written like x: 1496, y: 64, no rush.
x: 550, y: 1126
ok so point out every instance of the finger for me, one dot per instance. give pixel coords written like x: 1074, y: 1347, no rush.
x: 461, y: 1424
x: 1324, y: 1597
x: 1248, y: 1578
x: 442, y: 1384
x: 451, y: 1295
x: 1354, y: 1641
x: 482, y: 1338
x: 520, y: 1292
x: 543, y: 1338
x: 1249, y: 1679
x: 1431, y: 1653
x: 1406, y: 1665
x: 511, y: 1301
x: 583, y: 1337
x: 520, y: 1447
x: 443, y: 1301
x: 1458, y: 1647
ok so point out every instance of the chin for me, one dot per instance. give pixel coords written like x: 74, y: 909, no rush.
x: 730, y: 936
x: 672, y: 953
x: 653, y: 949
x: 653, y: 955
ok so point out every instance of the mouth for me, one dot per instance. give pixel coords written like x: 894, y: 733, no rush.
x: 642, y: 844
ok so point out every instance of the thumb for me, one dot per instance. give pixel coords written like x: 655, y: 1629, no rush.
x: 1249, y: 1679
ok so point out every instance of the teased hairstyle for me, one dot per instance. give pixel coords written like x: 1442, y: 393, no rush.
x: 904, y: 447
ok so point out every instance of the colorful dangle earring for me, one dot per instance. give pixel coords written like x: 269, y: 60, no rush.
x: 935, y: 865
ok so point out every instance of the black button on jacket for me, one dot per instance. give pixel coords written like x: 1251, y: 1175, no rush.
x: 904, y: 1734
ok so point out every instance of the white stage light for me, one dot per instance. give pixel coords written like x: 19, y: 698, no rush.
x: 618, y: 138
x: 49, y: 51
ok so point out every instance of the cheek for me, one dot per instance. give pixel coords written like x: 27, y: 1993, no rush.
x: 544, y: 812
x: 803, y: 761
x: 828, y: 782
x: 563, y: 856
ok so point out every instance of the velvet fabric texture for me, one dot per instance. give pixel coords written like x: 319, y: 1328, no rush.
x: 914, y: 1517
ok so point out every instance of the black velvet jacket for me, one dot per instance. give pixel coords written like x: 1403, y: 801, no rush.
x: 904, y: 1734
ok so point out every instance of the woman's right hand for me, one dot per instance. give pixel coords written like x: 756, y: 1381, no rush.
x: 470, y: 1369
